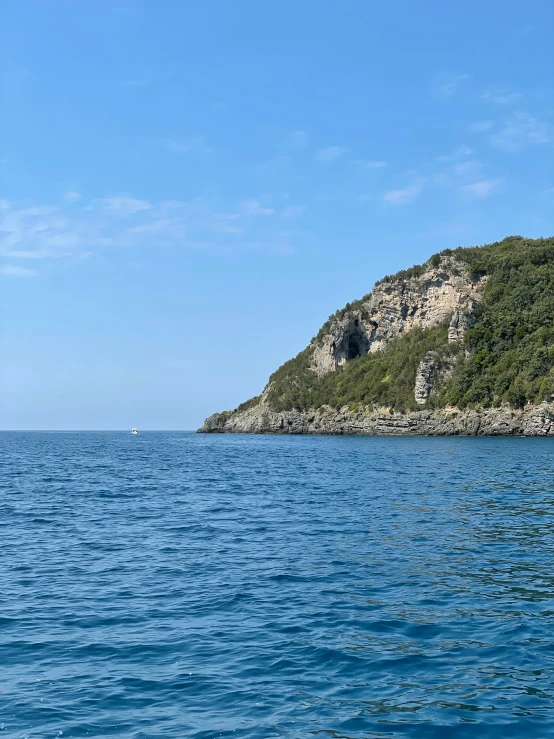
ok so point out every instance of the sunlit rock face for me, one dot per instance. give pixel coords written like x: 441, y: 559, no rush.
x: 394, y: 308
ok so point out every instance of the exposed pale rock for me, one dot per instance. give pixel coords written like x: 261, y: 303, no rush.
x: 425, y: 378
x: 391, y: 310
x: 533, y: 421
x: 431, y: 373
x: 394, y: 308
x: 459, y: 324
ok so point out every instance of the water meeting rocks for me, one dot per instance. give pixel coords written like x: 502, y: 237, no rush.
x: 533, y: 421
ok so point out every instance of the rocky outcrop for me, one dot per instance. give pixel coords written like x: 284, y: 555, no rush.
x: 433, y: 370
x: 459, y: 324
x: 440, y: 291
x: 426, y: 378
x: 395, y: 307
x: 532, y: 421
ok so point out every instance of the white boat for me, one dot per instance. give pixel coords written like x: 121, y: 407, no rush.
x: 134, y: 431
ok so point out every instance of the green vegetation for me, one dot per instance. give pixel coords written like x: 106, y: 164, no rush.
x: 510, y: 348
x: 512, y: 342
x: 385, y: 378
x: 249, y: 403
x: 338, y: 315
x: 406, y: 274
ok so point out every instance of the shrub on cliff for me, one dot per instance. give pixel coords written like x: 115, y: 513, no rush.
x: 385, y: 378
x: 510, y: 348
x: 512, y: 342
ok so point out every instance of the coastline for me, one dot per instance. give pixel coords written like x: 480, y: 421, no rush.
x: 537, y: 420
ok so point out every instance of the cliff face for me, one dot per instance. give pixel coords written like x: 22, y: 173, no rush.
x: 533, y: 421
x: 396, y: 307
x: 398, y: 360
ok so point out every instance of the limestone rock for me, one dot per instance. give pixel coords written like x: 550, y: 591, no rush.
x: 425, y: 378
x: 394, y: 308
x: 459, y: 324
x: 532, y: 421
x: 431, y: 373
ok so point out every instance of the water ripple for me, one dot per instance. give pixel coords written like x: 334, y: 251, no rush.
x: 174, y: 585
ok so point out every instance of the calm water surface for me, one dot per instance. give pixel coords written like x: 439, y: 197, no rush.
x: 175, y: 585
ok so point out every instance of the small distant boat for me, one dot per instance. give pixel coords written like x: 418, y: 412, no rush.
x: 134, y: 431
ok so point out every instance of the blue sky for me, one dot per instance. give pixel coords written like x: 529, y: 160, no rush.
x: 189, y: 189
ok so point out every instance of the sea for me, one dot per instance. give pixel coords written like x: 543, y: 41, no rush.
x: 179, y: 585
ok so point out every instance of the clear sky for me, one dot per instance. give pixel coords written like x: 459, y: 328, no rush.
x: 189, y: 189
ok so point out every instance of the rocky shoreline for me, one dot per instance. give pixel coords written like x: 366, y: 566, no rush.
x: 532, y: 421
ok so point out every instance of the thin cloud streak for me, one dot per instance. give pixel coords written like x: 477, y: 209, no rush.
x: 459, y: 153
x: 330, y: 153
x: 520, y: 131
x: 195, y: 145
x: 298, y: 139
x: 255, y: 208
x: 74, y: 231
x: 293, y: 211
x: 480, y: 126
x: 11, y: 270
x: 133, y: 84
x: 500, y: 97
x: 405, y: 196
x: 447, y: 83
x: 123, y: 205
x: 480, y: 189
x: 368, y: 164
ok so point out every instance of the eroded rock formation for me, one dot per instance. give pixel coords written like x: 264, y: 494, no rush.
x: 532, y: 421
x: 427, y: 375
x: 394, y: 308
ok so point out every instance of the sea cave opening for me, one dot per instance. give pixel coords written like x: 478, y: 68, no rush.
x: 354, y: 348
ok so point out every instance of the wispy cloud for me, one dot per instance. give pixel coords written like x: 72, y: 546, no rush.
x: 135, y: 83
x: 448, y: 83
x: 501, y: 96
x: 470, y: 168
x: 519, y: 131
x: 293, y: 211
x: 298, y: 139
x: 228, y: 228
x: 330, y: 153
x: 368, y: 163
x: 71, y: 196
x: 460, y: 153
x: 480, y: 189
x: 123, y: 205
x: 275, y: 167
x: 461, y: 173
x: 254, y: 207
x: 11, y: 270
x: 480, y: 126
x: 405, y: 196
x: 195, y: 145
x: 77, y: 230
x: 37, y: 232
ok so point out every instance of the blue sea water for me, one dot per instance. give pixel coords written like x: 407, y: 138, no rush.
x: 179, y: 585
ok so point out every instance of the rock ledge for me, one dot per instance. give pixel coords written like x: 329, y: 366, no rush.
x: 532, y: 421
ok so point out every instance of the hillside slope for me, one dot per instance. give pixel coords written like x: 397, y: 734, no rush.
x: 469, y: 333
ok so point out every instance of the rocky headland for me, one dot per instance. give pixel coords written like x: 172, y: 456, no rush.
x: 532, y: 421
x: 457, y: 346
